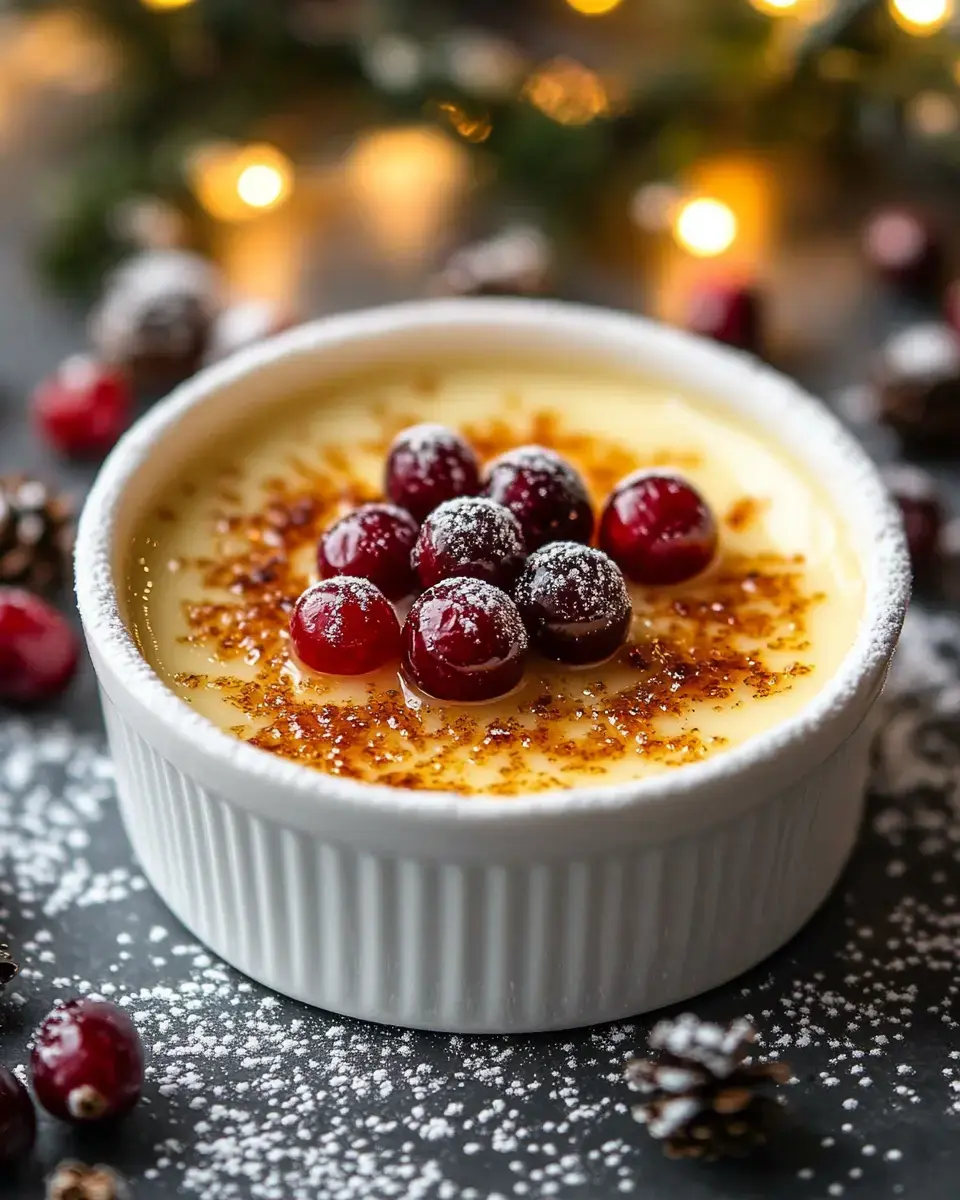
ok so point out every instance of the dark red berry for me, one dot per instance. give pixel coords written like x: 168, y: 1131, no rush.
x: 574, y: 603
x: 904, y: 250
x: 916, y: 493
x: 18, y: 1120
x: 83, y: 409
x: 374, y: 542
x: 38, y: 648
x: 87, y: 1062
x: 464, y: 641
x: 729, y: 313
x: 544, y: 493
x: 427, y: 465
x: 658, y: 529
x: 471, y: 537
x: 345, y: 626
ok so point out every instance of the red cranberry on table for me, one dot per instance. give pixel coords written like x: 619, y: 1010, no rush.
x: 18, y: 1120
x: 574, y: 603
x: 464, y: 641
x: 904, y: 250
x: 82, y: 409
x: 427, y: 465
x: 658, y: 529
x: 727, y: 312
x: 87, y: 1062
x: 470, y: 537
x: 923, y: 517
x: 345, y: 626
x: 375, y: 542
x: 38, y: 648
x: 544, y: 493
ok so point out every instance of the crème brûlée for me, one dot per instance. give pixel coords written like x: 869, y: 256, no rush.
x: 218, y: 561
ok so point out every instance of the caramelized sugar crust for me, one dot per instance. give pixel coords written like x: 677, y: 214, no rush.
x: 736, y: 636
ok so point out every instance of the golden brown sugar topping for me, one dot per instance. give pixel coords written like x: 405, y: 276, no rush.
x: 737, y: 636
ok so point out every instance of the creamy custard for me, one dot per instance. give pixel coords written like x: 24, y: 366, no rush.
x: 216, y: 565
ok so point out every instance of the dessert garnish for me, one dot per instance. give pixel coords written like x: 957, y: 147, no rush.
x: 544, y: 493
x: 658, y: 529
x: 471, y: 537
x: 18, y: 1120
x: 464, y: 640
x: 345, y: 626
x: 428, y: 464
x: 373, y: 541
x: 574, y: 603
x: 38, y: 648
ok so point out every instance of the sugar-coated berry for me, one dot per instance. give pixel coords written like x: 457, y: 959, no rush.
x: 464, y: 641
x: 427, y: 465
x: 18, y: 1120
x: 574, y: 603
x: 658, y: 529
x: 345, y: 626
x: 83, y: 408
x: 375, y: 542
x: 471, y: 537
x: 544, y: 493
x: 39, y: 650
x: 87, y: 1062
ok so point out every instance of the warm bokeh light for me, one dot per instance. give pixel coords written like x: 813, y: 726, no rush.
x: 234, y: 183
x: 921, y: 17
x: 775, y: 8
x: 162, y: 4
x: 594, y: 8
x: 933, y: 114
x: 705, y: 227
x: 567, y: 92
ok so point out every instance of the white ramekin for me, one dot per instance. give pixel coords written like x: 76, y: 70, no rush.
x: 488, y: 915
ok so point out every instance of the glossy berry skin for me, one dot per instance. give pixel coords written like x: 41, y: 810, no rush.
x: 38, y: 648
x: 471, y: 537
x: 574, y: 603
x: 87, y: 1062
x: 544, y: 493
x: 464, y: 641
x: 728, y: 313
x: 345, y: 626
x: 427, y: 465
x: 658, y: 529
x: 82, y: 409
x: 374, y: 542
x: 18, y: 1120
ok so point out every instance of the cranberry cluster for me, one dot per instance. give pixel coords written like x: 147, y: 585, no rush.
x: 497, y: 560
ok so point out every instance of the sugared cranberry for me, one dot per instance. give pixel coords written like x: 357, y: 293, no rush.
x: 345, y: 626
x: 38, y: 648
x: 463, y: 641
x: 916, y: 493
x: 658, y: 529
x: 83, y: 408
x: 727, y: 312
x: 471, y: 537
x: 18, y: 1120
x: 427, y: 465
x: 544, y: 493
x: 574, y: 603
x: 375, y: 542
x: 87, y: 1062
x: 904, y: 249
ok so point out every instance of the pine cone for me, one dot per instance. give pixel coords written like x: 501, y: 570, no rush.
x: 35, y: 535
x: 702, y: 1092
x: 74, y: 1181
x: 8, y: 968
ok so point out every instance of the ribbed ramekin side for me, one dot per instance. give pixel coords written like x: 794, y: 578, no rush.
x: 496, y: 946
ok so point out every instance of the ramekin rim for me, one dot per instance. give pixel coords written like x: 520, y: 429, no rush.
x: 885, y: 601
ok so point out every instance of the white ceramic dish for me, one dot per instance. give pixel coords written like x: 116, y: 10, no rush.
x: 452, y: 913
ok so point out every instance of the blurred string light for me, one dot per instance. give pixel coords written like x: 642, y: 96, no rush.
x: 932, y: 114
x: 472, y: 127
x: 705, y: 227
x: 921, y: 17
x: 567, y: 92
x: 235, y: 183
x: 775, y: 8
x: 594, y: 8
x: 165, y: 4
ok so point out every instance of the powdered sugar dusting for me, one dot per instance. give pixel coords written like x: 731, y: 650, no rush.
x: 460, y: 526
x: 576, y: 582
x: 544, y: 462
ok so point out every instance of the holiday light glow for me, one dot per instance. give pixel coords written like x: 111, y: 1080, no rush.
x: 705, y: 227
x: 775, y: 8
x: 164, y: 4
x: 921, y: 17
x: 235, y: 183
x: 567, y: 92
x: 594, y: 8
